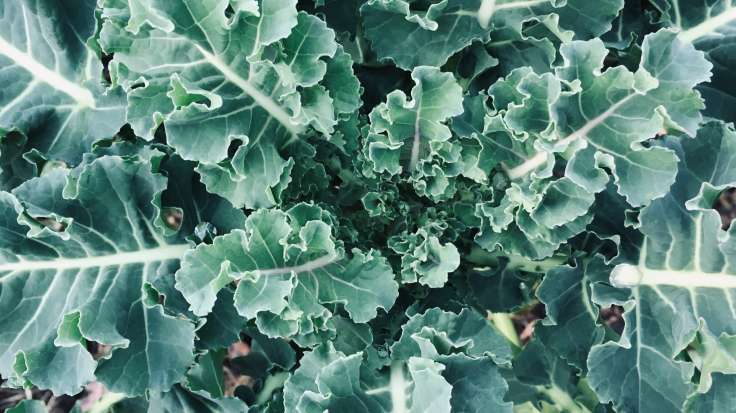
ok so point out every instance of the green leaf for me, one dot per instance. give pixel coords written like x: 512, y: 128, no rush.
x: 411, y: 127
x: 287, y: 267
x: 413, y: 382
x: 711, y: 27
x: 430, y: 34
x: 477, y: 384
x: 85, y: 261
x: 302, y: 380
x: 614, y: 111
x: 181, y: 400
x: 251, y: 81
x: 424, y: 258
x: 207, y: 375
x: 194, y: 45
x: 223, y: 325
x: 547, y: 383
x: 351, y: 337
x: 412, y: 38
x: 437, y: 332
x: 273, y: 353
x: 339, y: 387
x: 719, y: 398
x: 684, y: 274
x: 307, y: 43
x: 566, y: 294
x: 396, y: 205
x: 14, y: 166
x: 713, y: 355
x: 412, y: 137
x: 52, y: 78
x: 29, y: 406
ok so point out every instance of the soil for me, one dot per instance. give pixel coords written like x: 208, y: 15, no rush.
x: 525, y: 320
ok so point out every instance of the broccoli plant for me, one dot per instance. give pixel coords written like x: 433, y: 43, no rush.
x: 400, y: 206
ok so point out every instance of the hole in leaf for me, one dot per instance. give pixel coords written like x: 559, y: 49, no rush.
x: 160, y: 134
x: 52, y: 224
x: 726, y: 206
x: 423, y: 5
x: 126, y: 133
x: 233, y: 147
x: 98, y: 350
x: 613, y: 316
x: 467, y: 65
x: 205, y: 232
x: 172, y: 217
x: 106, y: 59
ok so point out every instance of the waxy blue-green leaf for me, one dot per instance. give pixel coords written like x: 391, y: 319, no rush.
x: 78, y: 261
x: 496, y: 290
x: 404, y: 131
x: 289, y: 269
x: 412, y: 38
x: 535, y: 218
x: 571, y: 327
x: 351, y: 337
x: 424, y: 258
x: 302, y: 380
x: 613, y: 111
x: 711, y: 27
x: 411, y: 33
x: 462, y: 366
x: 477, y: 384
x: 412, y: 383
x: 51, y: 84
x: 719, y: 398
x: 259, y: 77
x: 685, y: 276
x: 532, y: 224
x: 437, y: 332
x: 223, y: 324
x: 543, y: 381
x: 411, y: 137
x: 712, y: 355
x: 200, y: 49
x: 342, y: 385
x: 182, y: 176
x: 29, y: 406
x: 179, y: 399
x: 15, y: 167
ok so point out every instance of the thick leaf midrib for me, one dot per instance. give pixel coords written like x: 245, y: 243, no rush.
x: 488, y: 9
x: 143, y: 256
x: 398, y: 385
x: 709, y: 26
x: 581, y: 133
x: 79, y: 94
x: 417, y: 137
x: 633, y: 276
x: 308, y: 266
x: 680, y: 278
x: 263, y: 100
